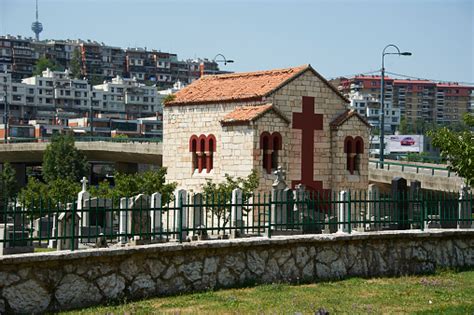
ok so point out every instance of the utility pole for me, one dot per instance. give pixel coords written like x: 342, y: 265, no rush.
x: 6, y: 114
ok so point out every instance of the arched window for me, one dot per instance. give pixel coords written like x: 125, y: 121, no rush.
x: 202, y: 149
x: 210, y: 148
x: 202, y: 153
x: 349, y: 149
x: 270, y: 145
x: 359, y: 150
x: 276, y: 145
x: 193, y: 149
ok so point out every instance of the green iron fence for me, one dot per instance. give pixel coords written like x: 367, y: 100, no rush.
x: 433, y: 170
x: 97, y: 222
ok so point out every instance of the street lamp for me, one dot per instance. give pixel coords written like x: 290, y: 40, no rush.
x: 215, y: 60
x: 382, y: 97
x: 224, y: 60
x: 5, y: 114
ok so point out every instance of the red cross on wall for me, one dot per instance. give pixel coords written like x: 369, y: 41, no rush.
x: 308, y: 121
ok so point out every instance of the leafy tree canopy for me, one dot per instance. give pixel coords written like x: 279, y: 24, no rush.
x: 219, y: 195
x: 43, y: 63
x: 8, y: 183
x: 458, y: 148
x: 127, y: 185
x: 76, y: 65
x: 62, y: 160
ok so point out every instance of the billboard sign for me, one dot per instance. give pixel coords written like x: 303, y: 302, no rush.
x: 404, y: 143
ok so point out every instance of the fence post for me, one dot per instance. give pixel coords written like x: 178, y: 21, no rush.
x: 237, y: 223
x: 180, y: 196
x: 464, y: 209
x: 342, y: 212
x: 123, y: 220
x: 156, y: 215
x: 349, y: 228
x: 73, y: 227
x: 269, y: 229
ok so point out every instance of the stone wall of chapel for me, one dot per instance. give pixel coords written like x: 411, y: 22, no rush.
x: 233, y: 148
x: 342, y: 178
x: 270, y: 123
x: 288, y: 99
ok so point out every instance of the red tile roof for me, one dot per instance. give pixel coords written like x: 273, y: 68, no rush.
x: 344, y: 117
x: 245, y: 114
x: 248, y: 86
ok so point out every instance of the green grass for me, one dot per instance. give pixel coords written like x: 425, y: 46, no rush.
x: 43, y: 249
x: 446, y: 292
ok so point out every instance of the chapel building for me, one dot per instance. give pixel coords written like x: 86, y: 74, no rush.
x: 233, y: 123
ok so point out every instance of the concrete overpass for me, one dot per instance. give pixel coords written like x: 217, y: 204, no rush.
x: 432, y: 176
x: 126, y: 155
x: 122, y: 152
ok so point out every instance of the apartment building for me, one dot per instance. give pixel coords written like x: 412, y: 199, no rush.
x: 55, y: 97
x: 16, y: 56
x: 364, y: 93
x: 125, y: 98
x: 101, y: 62
x: 415, y: 100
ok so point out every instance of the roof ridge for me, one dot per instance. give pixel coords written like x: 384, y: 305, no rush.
x: 255, y: 73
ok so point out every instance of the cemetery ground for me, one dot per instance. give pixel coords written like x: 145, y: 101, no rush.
x: 446, y: 292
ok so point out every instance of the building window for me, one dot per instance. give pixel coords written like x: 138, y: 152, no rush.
x: 202, y: 149
x: 353, y: 147
x: 270, y: 144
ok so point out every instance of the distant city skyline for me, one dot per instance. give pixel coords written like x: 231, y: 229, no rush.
x: 337, y: 37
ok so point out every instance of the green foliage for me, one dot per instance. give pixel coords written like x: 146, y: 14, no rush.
x: 62, y: 160
x: 120, y: 136
x: 219, y: 196
x: 127, y: 185
x: 76, y: 65
x: 405, y: 128
x: 33, y: 192
x: 59, y: 191
x: 8, y: 183
x: 457, y: 148
x: 169, y: 98
x: 103, y: 190
x: 43, y: 63
x: 96, y: 79
x: 63, y: 190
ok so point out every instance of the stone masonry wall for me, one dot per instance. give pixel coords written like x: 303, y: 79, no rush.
x: 342, y: 178
x: 180, y: 122
x: 270, y: 122
x: 288, y: 100
x: 64, y: 280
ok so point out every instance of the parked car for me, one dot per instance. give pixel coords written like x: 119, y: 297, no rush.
x: 407, y: 141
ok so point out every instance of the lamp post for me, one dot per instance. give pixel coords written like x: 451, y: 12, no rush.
x: 91, y: 113
x: 382, y: 97
x: 5, y: 114
x: 224, y: 60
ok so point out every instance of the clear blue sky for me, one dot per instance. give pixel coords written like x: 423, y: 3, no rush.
x: 336, y: 37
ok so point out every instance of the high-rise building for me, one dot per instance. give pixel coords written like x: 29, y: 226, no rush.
x: 56, y: 97
x: 414, y: 100
x: 99, y: 62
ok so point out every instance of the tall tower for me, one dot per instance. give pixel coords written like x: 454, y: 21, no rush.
x: 36, y: 26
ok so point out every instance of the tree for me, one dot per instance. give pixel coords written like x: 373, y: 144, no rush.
x: 405, y: 127
x: 457, y: 148
x: 75, y: 66
x: 127, y: 185
x: 8, y: 183
x: 62, y: 160
x: 44, y: 63
x: 219, y: 196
